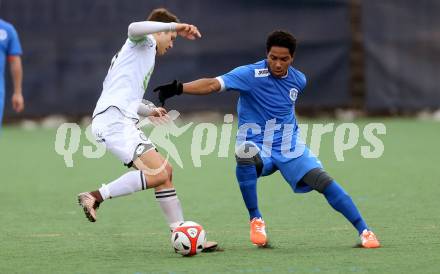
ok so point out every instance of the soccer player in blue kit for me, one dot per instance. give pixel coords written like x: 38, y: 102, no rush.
x: 10, y: 50
x: 267, y: 139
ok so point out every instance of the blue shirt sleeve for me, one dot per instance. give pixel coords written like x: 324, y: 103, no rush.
x: 237, y: 79
x: 302, y: 80
x: 14, y: 47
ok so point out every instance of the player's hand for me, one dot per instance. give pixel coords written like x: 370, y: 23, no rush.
x: 159, y: 116
x: 188, y: 31
x: 17, y: 102
x: 158, y: 112
x: 168, y: 91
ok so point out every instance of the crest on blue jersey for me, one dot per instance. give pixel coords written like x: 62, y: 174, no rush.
x: 3, y: 34
x: 293, y: 94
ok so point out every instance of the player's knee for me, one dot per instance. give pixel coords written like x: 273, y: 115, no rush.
x: 166, y: 178
x: 317, y: 179
x: 163, y: 176
x: 156, y: 179
x: 169, y: 169
x: 248, y: 157
x: 166, y: 185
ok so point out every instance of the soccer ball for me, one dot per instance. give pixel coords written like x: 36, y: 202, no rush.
x: 188, y: 238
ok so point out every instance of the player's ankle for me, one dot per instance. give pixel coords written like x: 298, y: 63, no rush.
x: 97, y: 195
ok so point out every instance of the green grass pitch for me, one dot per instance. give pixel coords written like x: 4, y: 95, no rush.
x: 42, y: 229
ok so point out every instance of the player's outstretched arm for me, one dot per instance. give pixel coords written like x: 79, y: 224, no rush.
x: 202, y: 86
x: 140, y: 29
x: 198, y: 87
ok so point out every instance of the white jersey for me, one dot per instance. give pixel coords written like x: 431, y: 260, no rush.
x: 128, y: 76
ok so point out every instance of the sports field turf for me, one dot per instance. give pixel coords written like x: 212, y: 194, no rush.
x: 42, y: 230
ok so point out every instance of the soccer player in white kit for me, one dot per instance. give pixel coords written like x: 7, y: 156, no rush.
x: 118, y: 110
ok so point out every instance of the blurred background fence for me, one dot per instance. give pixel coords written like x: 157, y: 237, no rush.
x: 380, y: 56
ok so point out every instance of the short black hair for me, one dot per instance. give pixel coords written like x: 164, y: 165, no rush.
x: 281, y: 38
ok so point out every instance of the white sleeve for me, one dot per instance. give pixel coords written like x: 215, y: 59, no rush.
x: 222, y: 83
x: 145, y: 108
x: 137, y: 29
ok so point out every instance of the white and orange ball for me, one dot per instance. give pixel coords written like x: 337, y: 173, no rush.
x: 188, y: 238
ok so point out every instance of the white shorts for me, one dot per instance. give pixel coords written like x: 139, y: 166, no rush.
x: 120, y: 135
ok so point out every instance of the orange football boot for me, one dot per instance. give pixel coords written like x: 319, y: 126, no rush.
x: 369, y: 240
x: 258, y: 232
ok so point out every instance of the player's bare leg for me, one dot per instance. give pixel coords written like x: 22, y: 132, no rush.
x: 167, y: 197
x: 165, y: 192
x: 128, y: 183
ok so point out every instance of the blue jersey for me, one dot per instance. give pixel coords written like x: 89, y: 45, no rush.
x: 266, y: 103
x: 9, y: 45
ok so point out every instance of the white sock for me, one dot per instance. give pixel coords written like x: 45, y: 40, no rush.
x: 128, y: 183
x: 170, y: 205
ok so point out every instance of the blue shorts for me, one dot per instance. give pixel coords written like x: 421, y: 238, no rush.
x: 293, y: 170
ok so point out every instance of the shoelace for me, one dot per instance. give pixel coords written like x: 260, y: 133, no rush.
x: 370, y: 236
x: 259, y: 228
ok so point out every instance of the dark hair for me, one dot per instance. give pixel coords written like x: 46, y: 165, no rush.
x: 283, y: 39
x: 162, y: 15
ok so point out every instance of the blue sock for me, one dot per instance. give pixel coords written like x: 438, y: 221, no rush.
x: 247, y: 179
x: 341, y: 202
